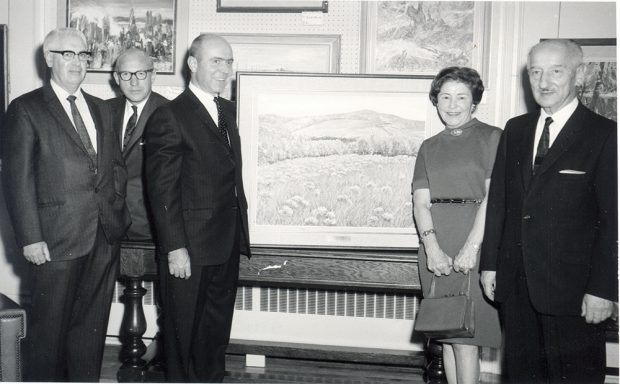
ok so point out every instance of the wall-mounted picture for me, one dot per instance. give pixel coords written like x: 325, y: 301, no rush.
x: 283, y: 53
x: 328, y: 159
x: 112, y: 26
x: 271, y: 6
x: 422, y: 37
x: 599, y: 91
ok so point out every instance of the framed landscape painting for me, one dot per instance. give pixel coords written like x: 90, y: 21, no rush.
x: 112, y: 26
x: 422, y: 37
x: 328, y: 159
x: 599, y: 91
x: 283, y: 53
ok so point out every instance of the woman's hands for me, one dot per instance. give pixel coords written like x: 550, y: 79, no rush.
x: 437, y: 261
x: 467, y: 257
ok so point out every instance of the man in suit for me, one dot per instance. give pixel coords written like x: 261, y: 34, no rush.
x: 193, y: 172
x: 134, y: 74
x: 549, y: 255
x: 64, y: 181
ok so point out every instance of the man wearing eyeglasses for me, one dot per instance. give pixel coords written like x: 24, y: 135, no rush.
x: 64, y: 183
x: 193, y: 174
x: 134, y: 74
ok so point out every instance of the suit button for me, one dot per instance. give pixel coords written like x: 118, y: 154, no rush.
x: 527, y: 217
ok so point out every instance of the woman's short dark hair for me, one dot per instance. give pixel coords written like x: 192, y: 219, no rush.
x: 465, y: 75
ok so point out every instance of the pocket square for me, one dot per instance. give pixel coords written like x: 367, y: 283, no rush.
x: 572, y: 172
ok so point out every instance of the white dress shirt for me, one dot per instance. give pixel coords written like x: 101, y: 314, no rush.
x: 129, y: 112
x: 82, y: 107
x: 559, y: 120
x: 206, y: 99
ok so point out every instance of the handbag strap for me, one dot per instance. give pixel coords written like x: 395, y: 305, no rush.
x: 466, y: 283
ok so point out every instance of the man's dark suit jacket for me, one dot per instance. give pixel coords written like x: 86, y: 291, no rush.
x: 194, y: 180
x: 562, y: 222
x: 52, y: 191
x: 141, y: 227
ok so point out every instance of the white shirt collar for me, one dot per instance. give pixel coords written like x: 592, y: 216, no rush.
x: 140, y: 105
x: 62, y: 94
x: 206, y: 99
x: 561, y: 117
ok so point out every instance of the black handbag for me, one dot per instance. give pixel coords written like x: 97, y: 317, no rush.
x: 446, y: 317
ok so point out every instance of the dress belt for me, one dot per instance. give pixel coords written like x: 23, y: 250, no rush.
x: 456, y: 201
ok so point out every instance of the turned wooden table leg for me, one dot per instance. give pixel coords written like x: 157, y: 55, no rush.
x: 132, y: 329
x: 435, y: 373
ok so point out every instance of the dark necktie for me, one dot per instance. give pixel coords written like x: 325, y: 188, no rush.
x: 131, y: 126
x: 543, y: 145
x: 221, y: 123
x: 81, y: 130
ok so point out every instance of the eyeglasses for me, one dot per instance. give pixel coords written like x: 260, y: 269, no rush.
x: 140, y: 75
x: 69, y: 55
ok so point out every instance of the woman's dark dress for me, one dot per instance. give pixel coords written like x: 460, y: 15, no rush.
x: 456, y: 167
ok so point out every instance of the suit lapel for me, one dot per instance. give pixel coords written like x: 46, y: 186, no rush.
x: 565, y: 139
x: 204, y: 115
x: 137, y: 133
x: 56, y: 109
x: 94, y: 113
x: 527, y: 150
x: 118, y: 112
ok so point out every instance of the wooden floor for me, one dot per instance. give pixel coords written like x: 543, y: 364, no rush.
x: 280, y: 370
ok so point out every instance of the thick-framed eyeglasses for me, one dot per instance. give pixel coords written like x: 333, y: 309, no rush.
x: 140, y: 75
x: 69, y: 55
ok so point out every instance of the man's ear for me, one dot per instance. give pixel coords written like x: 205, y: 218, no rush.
x: 116, y: 78
x: 48, y: 58
x: 192, y: 63
x: 580, y: 75
x: 153, y: 75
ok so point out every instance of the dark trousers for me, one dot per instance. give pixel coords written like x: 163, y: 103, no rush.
x: 69, y: 315
x: 546, y: 348
x: 198, y: 319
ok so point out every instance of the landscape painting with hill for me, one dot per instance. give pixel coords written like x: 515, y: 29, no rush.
x: 334, y: 164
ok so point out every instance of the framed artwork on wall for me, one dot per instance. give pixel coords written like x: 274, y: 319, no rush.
x: 283, y: 53
x: 599, y: 91
x: 422, y: 37
x: 113, y: 26
x: 328, y: 158
x: 289, y: 6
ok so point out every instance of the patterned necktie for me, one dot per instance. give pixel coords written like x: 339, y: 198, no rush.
x: 81, y: 130
x: 221, y: 123
x: 131, y: 126
x: 543, y: 145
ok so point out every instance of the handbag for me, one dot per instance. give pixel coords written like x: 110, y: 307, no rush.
x: 446, y: 317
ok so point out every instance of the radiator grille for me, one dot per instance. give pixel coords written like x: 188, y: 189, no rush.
x: 313, y: 302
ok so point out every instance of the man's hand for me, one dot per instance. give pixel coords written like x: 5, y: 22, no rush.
x: 596, y: 309
x: 37, y: 253
x: 487, y: 278
x: 178, y: 263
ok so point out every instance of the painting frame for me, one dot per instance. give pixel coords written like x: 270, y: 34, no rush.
x: 598, y: 53
x: 479, y: 45
x: 157, y: 35
x: 305, y: 96
x: 282, y: 53
x: 267, y: 6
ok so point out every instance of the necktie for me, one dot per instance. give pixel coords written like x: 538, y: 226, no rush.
x: 543, y: 145
x: 131, y: 126
x: 221, y: 123
x: 81, y: 130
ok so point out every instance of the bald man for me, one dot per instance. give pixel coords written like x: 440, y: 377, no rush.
x: 193, y: 169
x: 134, y: 74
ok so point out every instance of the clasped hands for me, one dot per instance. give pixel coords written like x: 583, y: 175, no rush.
x: 441, y: 264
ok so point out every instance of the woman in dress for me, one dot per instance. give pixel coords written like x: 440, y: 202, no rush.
x: 450, y: 185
